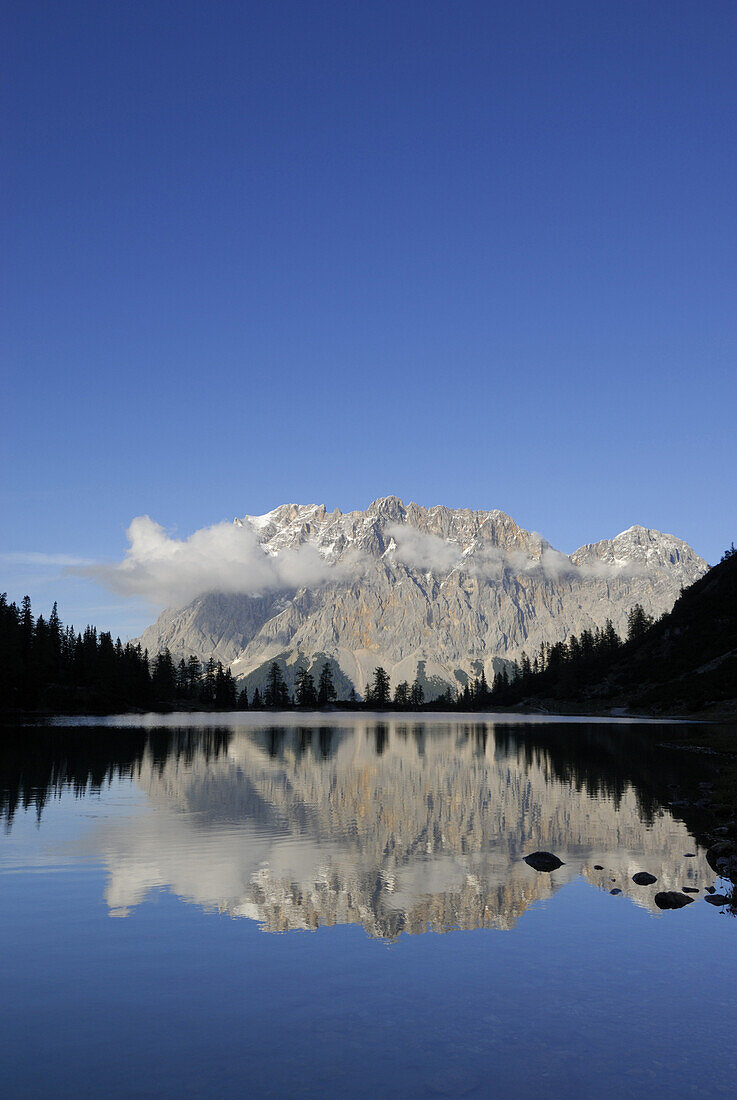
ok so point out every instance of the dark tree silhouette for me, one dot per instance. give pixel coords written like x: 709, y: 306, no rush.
x: 44, y: 665
x: 276, y: 694
x: 417, y: 694
x: 305, y: 694
x: 47, y: 666
x: 326, y: 692
x: 638, y: 622
x: 401, y: 695
x: 378, y: 694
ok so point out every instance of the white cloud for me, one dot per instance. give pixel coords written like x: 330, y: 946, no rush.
x: 228, y: 558
x: 32, y: 557
x: 555, y: 565
x: 421, y: 550
x: 222, y: 558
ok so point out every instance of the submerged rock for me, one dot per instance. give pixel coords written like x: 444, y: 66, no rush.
x: 722, y: 858
x: 543, y: 861
x: 689, y: 890
x: 672, y: 899
x: 644, y: 878
x: 717, y: 899
x: 616, y: 890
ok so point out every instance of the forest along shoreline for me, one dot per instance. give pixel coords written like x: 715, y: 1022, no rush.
x: 681, y: 668
x: 705, y: 800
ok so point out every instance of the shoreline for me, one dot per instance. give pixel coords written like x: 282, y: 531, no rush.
x: 573, y: 711
x: 706, y: 802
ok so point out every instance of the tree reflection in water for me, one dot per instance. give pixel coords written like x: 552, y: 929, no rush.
x: 398, y: 826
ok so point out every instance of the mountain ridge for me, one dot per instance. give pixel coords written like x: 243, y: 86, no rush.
x: 685, y: 663
x: 457, y: 589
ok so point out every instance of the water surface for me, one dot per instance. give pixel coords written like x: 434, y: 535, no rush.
x: 216, y: 905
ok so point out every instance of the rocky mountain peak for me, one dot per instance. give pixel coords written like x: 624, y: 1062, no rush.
x: 638, y: 546
x: 388, y: 508
x: 440, y: 590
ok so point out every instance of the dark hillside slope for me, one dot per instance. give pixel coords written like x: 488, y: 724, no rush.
x: 685, y: 663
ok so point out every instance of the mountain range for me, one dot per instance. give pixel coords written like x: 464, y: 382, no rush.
x: 434, y: 593
x: 400, y: 829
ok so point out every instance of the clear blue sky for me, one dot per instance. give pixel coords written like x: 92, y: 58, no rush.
x: 480, y: 254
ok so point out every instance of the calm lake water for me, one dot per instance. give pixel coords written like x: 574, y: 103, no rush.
x: 213, y: 905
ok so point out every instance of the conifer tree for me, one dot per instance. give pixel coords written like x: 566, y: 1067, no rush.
x: 638, y: 622
x: 182, y: 680
x: 208, y: 682
x: 276, y: 689
x: 610, y: 641
x: 305, y: 694
x: 402, y: 694
x: 164, y: 677
x: 379, y: 692
x: 194, y: 676
x: 326, y: 692
x: 417, y: 694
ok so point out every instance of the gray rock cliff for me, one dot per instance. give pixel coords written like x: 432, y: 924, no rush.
x: 456, y: 589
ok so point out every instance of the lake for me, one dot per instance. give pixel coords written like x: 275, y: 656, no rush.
x: 332, y: 905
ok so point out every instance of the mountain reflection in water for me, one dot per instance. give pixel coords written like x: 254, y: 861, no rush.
x: 399, y: 826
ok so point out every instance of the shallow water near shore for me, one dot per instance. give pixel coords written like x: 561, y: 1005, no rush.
x: 338, y: 905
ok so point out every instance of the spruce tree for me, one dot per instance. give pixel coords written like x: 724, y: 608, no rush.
x: 417, y: 694
x: 638, y: 622
x: 401, y: 694
x: 305, y: 694
x: 380, y: 688
x: 221, y: 701
x: 164, y: 677
x: 194, y: 676
x: 182, y: 680
x: 208, y: 682
x: 276, y: 689
x: 326, y: 692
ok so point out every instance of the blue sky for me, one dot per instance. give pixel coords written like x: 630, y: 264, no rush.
x: 479, y: 254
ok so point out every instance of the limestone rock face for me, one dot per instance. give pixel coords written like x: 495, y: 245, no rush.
x: 400, y: 827
x: 459, y: 590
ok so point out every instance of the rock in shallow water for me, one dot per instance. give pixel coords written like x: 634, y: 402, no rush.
x: 716, y: 899
x: 616, y: 890
x: 672, y: 899
x: 644, y: 878
x: 722, y: 858
x: 543, y: 861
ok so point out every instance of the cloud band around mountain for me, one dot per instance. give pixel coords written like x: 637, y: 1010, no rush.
x: 229, y: 558
x: 223, y: 558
